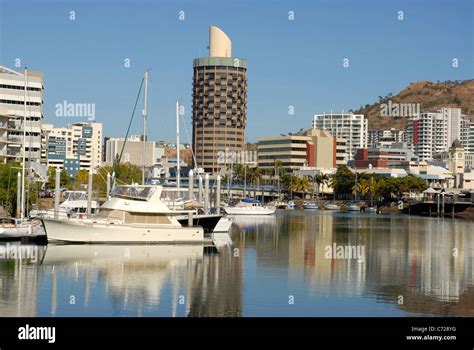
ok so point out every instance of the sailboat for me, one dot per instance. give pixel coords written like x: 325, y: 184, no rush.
x: 332, y: 205
x: 354, y: 206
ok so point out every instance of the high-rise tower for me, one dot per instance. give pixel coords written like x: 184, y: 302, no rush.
x: 219, y: 103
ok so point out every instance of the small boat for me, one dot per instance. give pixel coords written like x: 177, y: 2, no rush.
x: 131, y: 214
x: 280, y: 205
x: 291, y: 205
x: 310, y: 206
x: 353, y: 207
x: 249, y: 207
x: 371, y: 209
x: 74, y: 204
x: 12, y: 228
x: 331, y: 206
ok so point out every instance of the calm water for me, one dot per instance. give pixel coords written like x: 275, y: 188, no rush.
x: 277, y: 266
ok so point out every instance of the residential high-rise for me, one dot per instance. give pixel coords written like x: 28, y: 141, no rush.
x: 12, y: 110
x: 433, y: 132
x: 73, y: 148
x: 219, y: 102
x: 469, y: 144
x: 352, y: 127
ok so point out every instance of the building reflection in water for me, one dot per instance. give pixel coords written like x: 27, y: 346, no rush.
x: 428, y: 261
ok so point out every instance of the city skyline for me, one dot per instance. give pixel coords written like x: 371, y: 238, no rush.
x: 83, y: 61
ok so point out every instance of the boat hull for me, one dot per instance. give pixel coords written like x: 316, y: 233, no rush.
x: 86, y: 231
x: 249, y: 211
x: 353, y: 208
x: 331, y: 207
x: 311, y: 206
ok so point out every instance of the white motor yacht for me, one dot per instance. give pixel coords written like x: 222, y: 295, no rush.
x: 132, y: 214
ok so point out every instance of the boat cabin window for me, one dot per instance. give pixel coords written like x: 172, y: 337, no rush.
x: 75, y: 195
x: 134, y: 192
x: 174, y: 194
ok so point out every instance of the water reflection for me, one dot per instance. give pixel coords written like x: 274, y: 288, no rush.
x: 19, y: 276
x: 426, y: 261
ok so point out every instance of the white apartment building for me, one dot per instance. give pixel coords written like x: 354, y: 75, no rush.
x: 12, y: 112
x: 72, y: 148
x: 433, y: 132
x: 352, y: 127
x: 384, y: 138
x: 468, y: 138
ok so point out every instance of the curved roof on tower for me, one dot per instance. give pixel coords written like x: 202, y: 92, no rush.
x: 219, y: 43
x: 456, y: 144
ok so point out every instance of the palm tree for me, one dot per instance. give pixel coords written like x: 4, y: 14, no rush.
x: 372, y: 188
x: 298, y: 185
x: 332, y: 182
x: 320, y: 179
x: 355, y: 189
x: 305, y: 185
x: 363, y: 187
x: 312, y: 178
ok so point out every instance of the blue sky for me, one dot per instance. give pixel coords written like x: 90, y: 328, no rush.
x: 290, y: 63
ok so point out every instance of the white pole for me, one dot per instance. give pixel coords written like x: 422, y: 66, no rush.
x: 178, y: 168
x: 22, y: 214
x: 145, y: 115
x: 108, y: 186
x: 245, y: 180
x: 18, y: 195
x: 190, y: 184
x: 89, y: 193
x: 218, y: 195
x: 89, y: 188
x: 206, y: 194
x: 200, y: 190
x: 57, y: 193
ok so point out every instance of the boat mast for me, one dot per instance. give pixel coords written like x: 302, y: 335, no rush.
x: 145, y: 115
x: 356, y: 189
x: 178, y: 166
x: 22, y: 214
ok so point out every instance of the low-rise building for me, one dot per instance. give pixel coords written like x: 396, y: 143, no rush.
x: 467, y: 181
x: 133, y: 151
x: 397, y: 156
x: 289, y: 150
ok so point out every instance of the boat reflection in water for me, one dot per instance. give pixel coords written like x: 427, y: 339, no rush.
x: 19, y: 278
x: 143, y: 280
x: 427, y: 261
